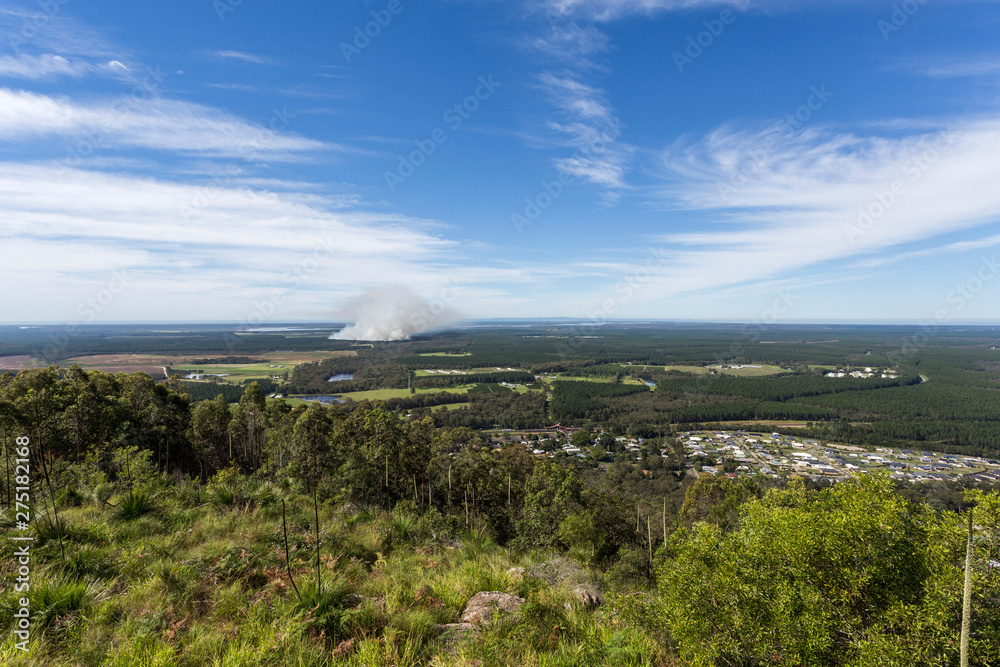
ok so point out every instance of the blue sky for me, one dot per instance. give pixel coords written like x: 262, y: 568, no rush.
x: 252, y: 162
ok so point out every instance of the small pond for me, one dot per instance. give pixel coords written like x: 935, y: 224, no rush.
x: 328, y: 400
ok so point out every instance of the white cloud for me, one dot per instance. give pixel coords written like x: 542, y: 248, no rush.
x: 45, y: 66
x: 608, y: 10
x: 588, y: 125
x: 803, y: 204
x: 193, y: 251
x: 570, y: 43
x: 153, y: 123
x: 950, y: 69
x: 43, y: 202
x: 950, y: 248
x: 241, y: 55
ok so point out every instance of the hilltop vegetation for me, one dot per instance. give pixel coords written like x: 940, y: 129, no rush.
x: 160, y: 510
x: 161, y: 528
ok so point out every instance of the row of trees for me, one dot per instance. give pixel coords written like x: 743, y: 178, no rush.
x: 364, y: 454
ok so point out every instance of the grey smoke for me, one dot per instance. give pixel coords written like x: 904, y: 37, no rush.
x: 394, y: 313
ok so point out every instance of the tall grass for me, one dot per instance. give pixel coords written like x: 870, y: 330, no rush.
x: 188, y: 575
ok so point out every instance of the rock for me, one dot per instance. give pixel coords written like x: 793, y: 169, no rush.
x: 480, y: 607
x: 516, y: 572
x: 588, y: 597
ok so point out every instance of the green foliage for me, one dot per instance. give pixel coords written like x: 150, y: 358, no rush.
x: 134, y: 466
x: 136, y: 503
x: 572, y: 400
x: 551, y: 494
x: 851, y: 575
x: 581, y: 533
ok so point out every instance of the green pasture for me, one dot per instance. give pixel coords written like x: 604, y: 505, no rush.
x: 445, y: 354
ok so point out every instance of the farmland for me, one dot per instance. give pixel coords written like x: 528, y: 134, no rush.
x: 367, y: 524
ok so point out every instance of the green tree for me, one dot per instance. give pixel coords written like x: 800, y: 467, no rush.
x: 849, y: 575
x: 209, y: 434
x: 248, y: 429
x: 314, y: 455
x: 551, y: 493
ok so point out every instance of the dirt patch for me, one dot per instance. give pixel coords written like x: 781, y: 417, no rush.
x: 103, y: 361
x: 17, y: 362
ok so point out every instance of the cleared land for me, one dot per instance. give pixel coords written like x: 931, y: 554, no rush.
x: 384, y: 394
x: 751, y: 371
x: 235, y: 371
x: 570, y: 378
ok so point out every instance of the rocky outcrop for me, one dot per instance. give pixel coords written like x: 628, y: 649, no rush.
x: 479, y: 611
x: 481, y: 607
x: 588, y: 597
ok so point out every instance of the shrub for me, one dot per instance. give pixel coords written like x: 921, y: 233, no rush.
x: 134, y: 504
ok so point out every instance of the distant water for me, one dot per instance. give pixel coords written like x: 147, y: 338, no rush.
x: 649, y: 383
x: 340, y: 377
x: 281, y: 329
x: 328, y: 400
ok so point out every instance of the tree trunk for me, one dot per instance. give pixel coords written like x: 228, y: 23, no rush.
x: 967, y: 597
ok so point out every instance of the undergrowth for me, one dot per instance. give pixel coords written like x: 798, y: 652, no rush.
x: 189, y: 575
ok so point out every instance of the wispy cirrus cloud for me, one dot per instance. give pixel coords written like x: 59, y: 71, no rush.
x: 81, y: 227
x: 86, y: 224
x: 570, y: 42
x: 47, y: 66
x: 584, y: 121
x: 822, y: 196
x: 983, y: 243
x: 243, y: 56
x: 162, y: 124
x: 610, y: 10
x: 954, y: 68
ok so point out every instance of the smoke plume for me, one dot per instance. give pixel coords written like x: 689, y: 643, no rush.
x: 394, y: 313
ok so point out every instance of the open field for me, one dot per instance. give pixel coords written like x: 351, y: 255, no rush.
x: 17, y: 362
x: 235, y: 371
x: 698, y: 370
x: 151, y: 364
x: 755, y: 370
x: 286, y: 357
x: 179, y: 361
x: 445, y: 354
x: 451, y: 406
x: 384, y: 394
x: 570, y: 378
